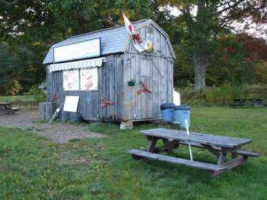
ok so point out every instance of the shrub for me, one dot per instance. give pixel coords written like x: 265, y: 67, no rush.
x: 39, y: 94
x: 224, y: 94
x: 15, y: 88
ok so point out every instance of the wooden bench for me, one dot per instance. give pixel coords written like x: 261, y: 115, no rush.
x: 239, y: 152
x: 218, y: 145
x: 154, y: 156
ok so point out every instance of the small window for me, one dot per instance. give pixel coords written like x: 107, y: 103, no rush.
x: 89, y: 79
x: 71, y: 80
x: 150, y: 29
x: 83, y: 79
x: 150, y: 33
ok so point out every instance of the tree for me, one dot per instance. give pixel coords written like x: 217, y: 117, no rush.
x: 29, y: 28
x: 206, y: 20
x: 75, y: 17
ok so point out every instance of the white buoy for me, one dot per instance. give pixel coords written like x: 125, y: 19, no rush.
x: 176, y: 98
x: 189, y: 145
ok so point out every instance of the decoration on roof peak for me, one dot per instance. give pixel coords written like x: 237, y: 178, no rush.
x: 138, y: 42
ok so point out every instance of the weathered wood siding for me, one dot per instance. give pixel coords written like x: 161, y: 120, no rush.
x: 155, y: 69
x: 110, y: 85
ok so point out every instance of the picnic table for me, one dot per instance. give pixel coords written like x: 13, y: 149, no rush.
x: 5, y: 107
x: 253, y: 102
x: 219, y: 146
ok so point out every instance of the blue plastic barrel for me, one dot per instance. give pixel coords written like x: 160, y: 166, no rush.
x: 167, y: 111
x: 167, y: 115
x: 180, y: 114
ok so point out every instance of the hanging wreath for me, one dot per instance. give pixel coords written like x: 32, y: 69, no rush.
x: 105, y: 102
x: 145, y: 88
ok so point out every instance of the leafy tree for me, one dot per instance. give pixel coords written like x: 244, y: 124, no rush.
x: 29, y: 28
x: 205, y: 20
x: 76, y: 17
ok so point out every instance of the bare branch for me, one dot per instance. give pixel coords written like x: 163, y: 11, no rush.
x: 230, y: 6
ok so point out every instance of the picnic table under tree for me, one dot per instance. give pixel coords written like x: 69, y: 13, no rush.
x: 219, y: 146
x: 5, y: 107
x: 247, y: 102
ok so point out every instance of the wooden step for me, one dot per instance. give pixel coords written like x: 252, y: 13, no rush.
x: 154, y: 156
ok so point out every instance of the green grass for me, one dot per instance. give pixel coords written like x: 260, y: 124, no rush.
x: 35, y: 168
x: 19, y: 100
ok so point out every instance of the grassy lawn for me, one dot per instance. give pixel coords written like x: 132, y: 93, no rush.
x: 23, y: 99
x: 35, y: 168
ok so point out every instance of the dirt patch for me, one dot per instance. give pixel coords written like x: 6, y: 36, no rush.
x: 28, y: 119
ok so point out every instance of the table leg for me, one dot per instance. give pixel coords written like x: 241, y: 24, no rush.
x: 234, y: 155
x: 222, y: 158
x: 235, y: 162
x: 169, y: 145
x: 215, y: 152
x: 8, y: 108
x: 152, y: 145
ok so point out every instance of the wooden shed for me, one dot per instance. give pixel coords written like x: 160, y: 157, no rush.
x: 113, y: 80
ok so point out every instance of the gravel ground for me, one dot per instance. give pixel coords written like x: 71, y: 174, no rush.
x: 27, y: 118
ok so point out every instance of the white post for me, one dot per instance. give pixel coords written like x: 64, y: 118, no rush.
x: 189, y: 145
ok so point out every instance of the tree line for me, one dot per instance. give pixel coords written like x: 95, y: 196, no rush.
x: 208, y: 52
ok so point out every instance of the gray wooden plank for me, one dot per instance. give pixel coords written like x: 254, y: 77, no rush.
x: 154, y: 156
x: 163, y: 80
x: 216, y: 140
x: 240, y: 152
x: 120, y: 90
x: 133, y: 89
x: 169, y: 81
x: 155, y: 92
x: 163, y: 44
x: 157, y: 34
x: 149, y: 96
x: 127, y: 93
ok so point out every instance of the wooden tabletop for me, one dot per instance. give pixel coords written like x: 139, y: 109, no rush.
x: 201, y: 138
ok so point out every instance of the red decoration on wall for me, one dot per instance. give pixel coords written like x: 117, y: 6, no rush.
x: 145, y: 88
x: 55, y: 97
x: 105, y: 102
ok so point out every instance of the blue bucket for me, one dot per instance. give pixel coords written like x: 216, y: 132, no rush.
x: 167, y: 111
x: 180, y: 114
x: 167, y: 115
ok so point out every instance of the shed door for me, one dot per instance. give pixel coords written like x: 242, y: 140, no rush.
x: 150, y: 75
x: 155, y: 72
x: 146, y: 99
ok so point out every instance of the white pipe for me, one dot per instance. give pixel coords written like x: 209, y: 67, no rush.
x: 189, y: 145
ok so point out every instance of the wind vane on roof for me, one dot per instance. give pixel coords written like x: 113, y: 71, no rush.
x: 138, y: 42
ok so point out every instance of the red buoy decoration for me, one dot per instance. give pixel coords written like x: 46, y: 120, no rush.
x: 145, y: 88
x: 105, y: 102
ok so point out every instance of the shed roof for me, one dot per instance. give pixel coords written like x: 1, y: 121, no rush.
x: 113, y: 40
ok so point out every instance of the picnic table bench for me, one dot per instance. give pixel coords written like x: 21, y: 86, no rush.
x: 219, y: 146
x: 5, y: 107
x: 252, y: 102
